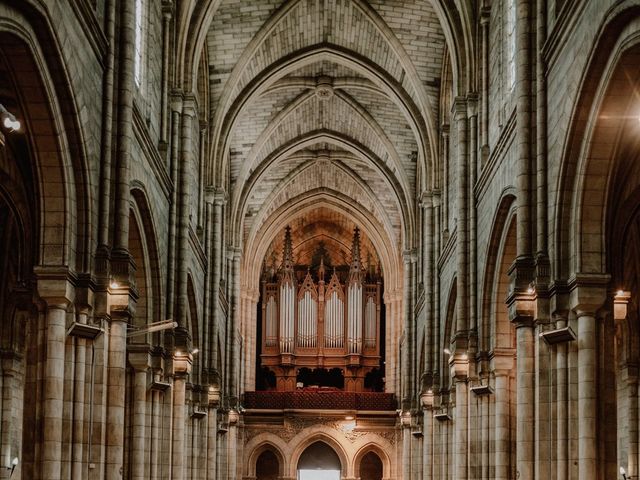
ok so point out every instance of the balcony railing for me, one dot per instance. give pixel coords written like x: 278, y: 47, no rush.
x: 320, y: 400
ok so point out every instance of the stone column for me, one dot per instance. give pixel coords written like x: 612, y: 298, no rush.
x: 562, y: 425
x: 212, y: 433
x: 79, y: 402
x: 234, y: 348
x: 587, y: 394
x: 126, y: 54
x: 502, y: 365
x: 140, y: 362
x: 10, y: 417
x: 523, y: 138
x: 182, y: 362
x: 485, y: 16
x: 116, y: 381
x: 428, y: 439
x: 405, y: 422
x: 57, y: 293
x: 462, y: 243
x: 525, y: 410
x: 156, y: 419
x: 407, y: 351
x: 445, y: 174
x: 232, y: 446
x: 459, y: 366
x: 219, y: 200
x: 588, y: 294
x: 427, y: 280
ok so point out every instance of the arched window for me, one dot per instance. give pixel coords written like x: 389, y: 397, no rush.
x: 139, y: 42
x: 510, y: 39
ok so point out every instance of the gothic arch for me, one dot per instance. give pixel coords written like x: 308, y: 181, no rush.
x: 312, y: 435
x: 380, y: 452
x: 52, y: 129
x: 258, y: 445
x: 503, y: 221
x: 597, y: 118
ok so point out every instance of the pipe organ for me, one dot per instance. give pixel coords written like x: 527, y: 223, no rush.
x: 313, y: 323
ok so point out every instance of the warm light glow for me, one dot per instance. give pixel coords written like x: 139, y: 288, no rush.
x: 622, y: 471
x: 530, y: 290
x: 348, y: 417
x: 194, y: 351
x: 447, y: 351
x: 620, y: 293
x: 14, y: 462
x: 114, y: 284
x: 178, y: 353
x: 7, y: 122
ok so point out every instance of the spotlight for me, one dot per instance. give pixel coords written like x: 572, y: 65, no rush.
x: 114, y: 284
x: 194, y: 351
x: 447, y: 351
x: 9, y: 120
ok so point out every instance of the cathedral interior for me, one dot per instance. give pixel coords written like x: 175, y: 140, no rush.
x: 319, y: 239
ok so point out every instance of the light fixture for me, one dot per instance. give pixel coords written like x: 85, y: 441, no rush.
x: 114, y: 284
x: 623, y: 472
x: 349, y: 417
x: 619, y: 293
x: 9, y: 120
x: 194, y: 351
x: 447, y: 351
x: 153, y: 327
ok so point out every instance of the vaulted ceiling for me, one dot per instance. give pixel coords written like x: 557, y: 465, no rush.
x: 324, y: 104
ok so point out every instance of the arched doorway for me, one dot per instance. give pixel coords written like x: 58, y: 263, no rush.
x: 371, y: 467
x: 267, y: 466
x: 319, y: 462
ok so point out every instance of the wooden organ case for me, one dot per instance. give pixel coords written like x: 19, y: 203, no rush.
x: 314, y: 320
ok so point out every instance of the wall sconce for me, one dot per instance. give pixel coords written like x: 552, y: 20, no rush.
x: 623, y: 472
x: 9, y: 120
x: 15, y: 461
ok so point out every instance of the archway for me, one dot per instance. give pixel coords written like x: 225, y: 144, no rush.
x: 319, y: 462
x: 267, y: 466
x: 371, y: 467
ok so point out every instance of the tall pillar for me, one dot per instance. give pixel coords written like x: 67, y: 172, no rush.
x: 502, y: 366
x: 57, y: 293
x: 462, y: 243
x: 233, y: 346
x: 461, y: 428
x: 9, y: 388
x: 212, y: 433
x: 79, y: 402
x: 525, y: 408
x: 114, y: 461
x: 588, y: 294
x: 182, y: 362
x: 427, y: 280
x: 219, y: 199
x: 140, y: 362
x: 562, y: 425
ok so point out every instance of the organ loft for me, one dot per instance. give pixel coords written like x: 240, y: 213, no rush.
x: 321, y: 322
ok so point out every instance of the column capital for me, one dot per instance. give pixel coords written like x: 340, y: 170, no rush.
x: 55, y: 286
x: 459, y: 108
x: 139, y: 357
x: 502, y: 360
x: 588, y: 292
x: 182, y: 363
x: 426, y: 199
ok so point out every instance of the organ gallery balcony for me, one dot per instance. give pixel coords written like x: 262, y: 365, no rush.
x: 320, y: 399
